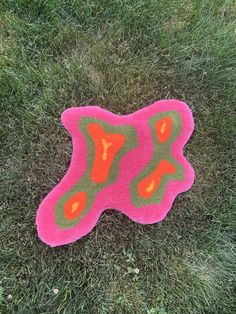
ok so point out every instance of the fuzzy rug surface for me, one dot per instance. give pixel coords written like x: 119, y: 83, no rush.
x: 132, y: 163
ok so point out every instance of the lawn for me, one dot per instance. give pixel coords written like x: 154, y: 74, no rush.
x: 121, y: 55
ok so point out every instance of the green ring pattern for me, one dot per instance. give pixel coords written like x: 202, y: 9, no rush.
x: 161, y: 151
x: 85, y: 183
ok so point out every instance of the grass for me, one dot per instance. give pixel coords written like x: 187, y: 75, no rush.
x: 121, y: 55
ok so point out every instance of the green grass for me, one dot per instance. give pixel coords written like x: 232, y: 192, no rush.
x: 121, y: 55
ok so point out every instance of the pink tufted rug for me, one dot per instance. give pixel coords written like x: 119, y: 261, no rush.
x: 131, y: 163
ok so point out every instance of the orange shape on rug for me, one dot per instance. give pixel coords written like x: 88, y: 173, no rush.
x: 106, y: 146
x: 163, y: 129
x: 75, y: 205
x: 150, y: 184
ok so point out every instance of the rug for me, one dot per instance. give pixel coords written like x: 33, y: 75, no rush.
x: 132, y: 163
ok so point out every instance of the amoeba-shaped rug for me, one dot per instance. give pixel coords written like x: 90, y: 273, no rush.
x: 131, y: 163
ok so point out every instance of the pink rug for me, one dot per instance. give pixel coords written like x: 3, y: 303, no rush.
x: 131, y: 163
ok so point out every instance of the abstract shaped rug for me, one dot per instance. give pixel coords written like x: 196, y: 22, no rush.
x: 131, y: 163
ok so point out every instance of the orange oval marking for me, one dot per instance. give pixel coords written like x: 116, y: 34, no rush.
x: 150, y: 184
x: 106, y: 146
x: 75, y: 205
x: 163, y: 129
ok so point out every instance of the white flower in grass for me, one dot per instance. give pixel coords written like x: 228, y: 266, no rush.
x: 55, y: 291
x: 136, y: 270
x: 9, y: 296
